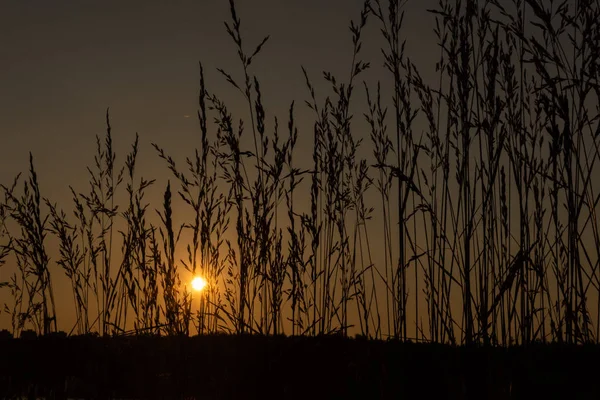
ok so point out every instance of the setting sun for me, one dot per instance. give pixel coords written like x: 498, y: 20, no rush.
x: 198, y: 283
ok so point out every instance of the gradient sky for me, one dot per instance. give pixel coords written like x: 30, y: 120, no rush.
x: 64, y: 62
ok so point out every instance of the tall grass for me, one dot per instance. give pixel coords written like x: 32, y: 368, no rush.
x: 473, y: 221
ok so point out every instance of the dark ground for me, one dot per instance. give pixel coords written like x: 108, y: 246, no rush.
x: 249, y: 367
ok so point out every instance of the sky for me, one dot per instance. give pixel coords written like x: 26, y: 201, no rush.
x: 65, y: 62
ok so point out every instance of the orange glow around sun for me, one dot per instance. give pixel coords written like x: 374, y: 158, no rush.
x: 198, y: 283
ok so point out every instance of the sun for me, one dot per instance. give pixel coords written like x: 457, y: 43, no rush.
x: 198, y: 283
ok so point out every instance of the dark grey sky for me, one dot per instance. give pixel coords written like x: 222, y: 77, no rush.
x: 64, y: 62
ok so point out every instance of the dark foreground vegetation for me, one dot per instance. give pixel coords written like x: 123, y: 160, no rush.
x: 462, y: 212
x: 254, y: 366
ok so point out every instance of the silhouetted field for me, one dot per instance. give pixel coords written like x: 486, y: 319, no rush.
x: 253, y: 366
x: 473, y: 223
